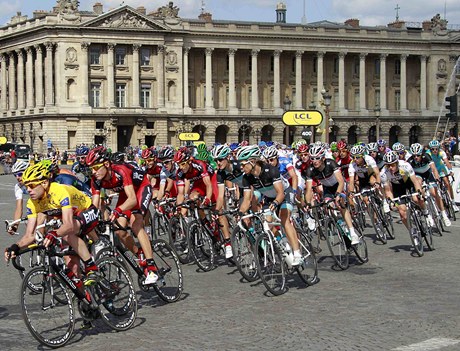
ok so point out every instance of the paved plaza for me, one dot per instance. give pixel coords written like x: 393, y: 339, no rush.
x: 396, y: 301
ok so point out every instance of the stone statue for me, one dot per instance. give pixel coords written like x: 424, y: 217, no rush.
x: 125, y: 20
x: 437, y: 23
x: 67, y: 7
x: 169, y: 11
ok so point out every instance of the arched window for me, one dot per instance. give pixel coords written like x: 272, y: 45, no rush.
x: 71, y: 89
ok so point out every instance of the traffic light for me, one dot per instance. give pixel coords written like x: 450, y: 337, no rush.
x: 451, y: 106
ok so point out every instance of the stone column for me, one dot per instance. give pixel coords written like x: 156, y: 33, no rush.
x: 254, y: 82
x: 20, y: 80
x: 231, y: 82
x: 383, y: 82
x: 110, y: 75
x: 136, y: 75
x: 342, y: 82
x: 403, y: 59
x: 362, y: 82
x: 186, y: 92
x: 161, y: 76
x: 209, y: 98
x: 39, y: 101
x: 298, y: 80
x: 4, y: 101
x: 84, y: 73
x: 276, y: 81
x: 319, y: 76
x: 49, y: 98
x: 423, y: 59
x: 11, y: 86
x: 30, y: 78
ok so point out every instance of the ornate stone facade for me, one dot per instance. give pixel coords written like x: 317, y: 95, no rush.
x: 127, y: 77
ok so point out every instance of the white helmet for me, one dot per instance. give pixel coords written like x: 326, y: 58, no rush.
x: 398, y: 147
x: 372, y: 147
x: 357, y: 150
x: 20, y: 166
x: 390, y: 157
x: 416, y: 149
x: 270, y: 152
x: 317, y: 151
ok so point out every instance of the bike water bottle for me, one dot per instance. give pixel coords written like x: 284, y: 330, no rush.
x: 344, y: 227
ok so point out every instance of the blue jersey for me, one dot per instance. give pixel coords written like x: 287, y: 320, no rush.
x: 69, y: 179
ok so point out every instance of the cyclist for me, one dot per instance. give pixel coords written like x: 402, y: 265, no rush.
x: 335, y: 152
x: 19, y: 191
x: 443, y: 166
x: 65, y: 178
x: 364, y: 168
x: 382, y: 147
x: 373, y: 151
x: 168, y: 186
x: 344, y: 158
x: 79, y: 168
x: 58, y: 200
x: 400, y: 149
x: 133, y: 201
x: 425, y: 169
x: 152, y: 168
x: 328, y: 173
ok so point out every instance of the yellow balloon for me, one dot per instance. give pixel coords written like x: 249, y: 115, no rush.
x: 3, y: 140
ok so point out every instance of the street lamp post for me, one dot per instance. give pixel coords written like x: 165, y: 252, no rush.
x: 243, y: 124
x: 377, y: 121
x: 287, y: 106
x: 326, y: 102
x: 256, y: 134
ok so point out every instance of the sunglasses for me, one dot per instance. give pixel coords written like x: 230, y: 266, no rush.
x: 392, y: 164
x: 81, y: 157
x: 183, y: 163
x: 434, y: 149
x: 18, y: 174
x: 316, y: 158
x: 244, y: 163
x: 152, y: 159
x: 97, y: 167
x: 417, y: 155
x: 167, y: 161
x: 33, y: 185
x: 303, y: 155
x: 402, y: 152
x: 272, y: 159
x: 355, y: 157
x: 218, y: 160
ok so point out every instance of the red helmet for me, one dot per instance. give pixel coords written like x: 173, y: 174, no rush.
x: 303, y: 148
x: 341, y: 145
x: 181, y: 155
x: 149, y: 153
x: 97, y: 155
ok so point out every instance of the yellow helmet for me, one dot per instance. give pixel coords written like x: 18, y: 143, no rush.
x: 36, y: 172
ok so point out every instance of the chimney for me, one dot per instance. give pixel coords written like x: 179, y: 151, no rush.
x: 352, y: 22
x: 280, y: 12
x: 205, y: 16
x: 98, y: 8
x: 142, y: 10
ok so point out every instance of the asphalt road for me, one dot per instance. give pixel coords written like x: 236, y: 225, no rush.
x: 396, y: 301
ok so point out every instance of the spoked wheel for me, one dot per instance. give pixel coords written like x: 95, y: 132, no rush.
x: 337, y: 245
x: 202, y: 247
x: 448, y: 205
x: 376, y: 216
x: 389, y: 225
x: 435, y: 215
x: 178, y: 239
x: 48, y: 313
x: 308, y: 269
x: 243, y: 254
x: 414, y: 232
x: 360, y: 249
x: 27, y: 262
x: 159, y: 227
x: 115, y: 294
x: 270, y: 265
x: 170, y: 284
x: 427, y: 232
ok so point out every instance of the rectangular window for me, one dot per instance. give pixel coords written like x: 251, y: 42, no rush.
x: 145, y: 95
x: 120, y: 95
x: 272, y: 64
x: 95, y: 56
x: 150, y: 125
x: 397, y: 67
x: 95, y: 97
x: 249, y: 97
x: 99, y: 125
x: 120, y: 56
x: 397, y: 100
x: 293, y: 64
x: 315, y: 64
x: 356, y: 67
x: 293, y: 98
x: 357, y: 107
x: 377, y: 98
x: 272, y: 97
x: 250, y: 63
x: 145, y: 57
x: 336, y: 65
x: 377, y: 67
x: 335, y: 100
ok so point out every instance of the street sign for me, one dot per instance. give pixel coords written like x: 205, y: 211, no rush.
x: 306, y: 133
x: 189, y: 136
x: 303, y: 118
x: 3, y: 140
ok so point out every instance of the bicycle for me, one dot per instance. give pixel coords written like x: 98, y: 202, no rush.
x: 448, y: 204
x: 49, y: 313
x: 169, y: 286
x: 432, y: 207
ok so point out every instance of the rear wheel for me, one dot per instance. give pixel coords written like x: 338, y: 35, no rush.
x: 178, y: 238
x: 336, y: 244
x: 202, y: 247
x: 414, y: 231
x: 360, y: 249
x: 376, y: 216
x: 243, y: 254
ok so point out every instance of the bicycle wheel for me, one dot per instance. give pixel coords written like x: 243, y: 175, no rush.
x: 159, y: 227
x: 433, y: 211
x: 243, y: 254
x: 178, y: 238
x: 202, y: 247
x: 308, y: 269
x: 49, y: 314
x: 170, y: 284
x: 448, y: 205
x: 414, y: 231
x: 389, y: 225
x: 336, y: 244
x: 376, y: 216
x: 360, y: 249
x: 427, y: 232
x: 115, y: 295
x: 270, y: 265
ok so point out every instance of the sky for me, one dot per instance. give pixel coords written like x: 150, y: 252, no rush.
x: 369, y: 12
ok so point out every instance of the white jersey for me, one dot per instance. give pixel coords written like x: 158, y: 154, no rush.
x: 364, y: 171
x: 19, y: 191
x: 400, y: 177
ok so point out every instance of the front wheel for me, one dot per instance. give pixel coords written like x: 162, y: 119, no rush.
x: 243, y: 254
x: 178, y: 238
x: 337, y: 245
x: 360, y: 249
x: 414, y: 231
x: 376, y: 215
x: 308, y: 269
x: 202, y: 247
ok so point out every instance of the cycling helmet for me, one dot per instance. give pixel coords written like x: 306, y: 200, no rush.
x: 51, y: 165
x: 398, y: 147
x: 372, y: 147
x: 82, y: 150
x: 181, y: 155
x: 358, y: 150
x: 234, y: 146
x: 118, y: 158
x: 302, y: 149
x: 416, y: 149
x: 270, y: 152
x: 166, y: 154
x: 342, y: 145
x: 247, y: 152
x: 202, y: 147
x: 390, y: 157
x: 262, y: 144
x: 381, y: 142
x: 434, y: 143
x: 269, y: 143
x: 37, y: 172
x: 20, y: 166
x: 221, y: 151
x: 317, y: 151
x: 97, y: 155
x: 149, y: 153
x: 334, y: 146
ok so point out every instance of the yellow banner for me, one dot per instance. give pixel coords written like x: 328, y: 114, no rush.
x: 3, y: 140
x: 189, y: 136
x: 302, y: 118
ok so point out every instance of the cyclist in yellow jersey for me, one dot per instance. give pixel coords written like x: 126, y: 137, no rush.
x: 74, y: 208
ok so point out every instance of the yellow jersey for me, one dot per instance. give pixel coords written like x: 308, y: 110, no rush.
x: 58, y: 197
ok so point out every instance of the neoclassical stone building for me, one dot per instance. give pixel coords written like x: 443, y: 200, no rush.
x: 130, y: 76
